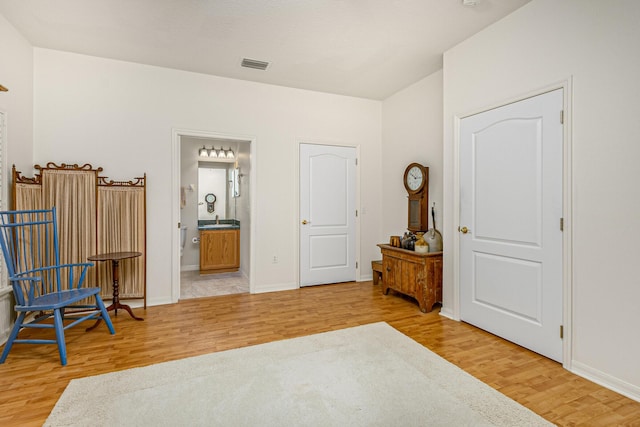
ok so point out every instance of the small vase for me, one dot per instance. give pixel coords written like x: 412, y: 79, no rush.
x: 421, y: 246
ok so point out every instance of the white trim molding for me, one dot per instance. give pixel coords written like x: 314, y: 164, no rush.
x: 624, y: 388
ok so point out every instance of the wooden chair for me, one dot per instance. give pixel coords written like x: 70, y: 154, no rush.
x: 43, y: 287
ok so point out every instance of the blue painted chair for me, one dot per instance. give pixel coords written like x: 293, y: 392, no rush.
x: 43, y: 288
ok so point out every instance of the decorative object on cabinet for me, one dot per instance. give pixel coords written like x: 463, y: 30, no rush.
x: 433, y: 236
x: 421, y: 246
x: 416, y: 182
x: 97, y: 214
x: 414, y: 274
x: 409, y: 241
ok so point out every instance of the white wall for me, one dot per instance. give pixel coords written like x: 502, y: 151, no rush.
x: 596, y: 44
x: 120, y: 116
x: 411, y: 132
x: 243, y: 206
x: 16, y: 74
x: 190, y: 259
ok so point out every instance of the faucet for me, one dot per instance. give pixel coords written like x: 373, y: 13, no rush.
x: 217, y: 220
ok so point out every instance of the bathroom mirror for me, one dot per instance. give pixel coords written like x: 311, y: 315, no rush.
x: 216, y: 178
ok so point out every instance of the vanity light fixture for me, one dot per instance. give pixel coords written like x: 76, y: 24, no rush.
x: 219, y: 153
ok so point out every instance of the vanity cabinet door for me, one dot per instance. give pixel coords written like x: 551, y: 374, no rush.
x: 219, y: 250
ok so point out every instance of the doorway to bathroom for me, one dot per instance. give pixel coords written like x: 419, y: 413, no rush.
x: 214, y: 183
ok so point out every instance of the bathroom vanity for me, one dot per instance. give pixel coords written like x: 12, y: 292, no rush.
x: 219, y: 248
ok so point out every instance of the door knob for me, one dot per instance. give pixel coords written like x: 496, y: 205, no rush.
x: 463, y: 230
x: 304, y: 222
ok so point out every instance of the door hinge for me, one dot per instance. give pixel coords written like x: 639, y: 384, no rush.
x: 356, y: 264
x: 356, y: 212
x: 179, y: 225
x: 356, y: 161
x: 561, y: 117
x: 561, y: 224
x: 561, y: 331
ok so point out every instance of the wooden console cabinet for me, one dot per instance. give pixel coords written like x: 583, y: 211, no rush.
x: 414, y: 274
x: 219, y: 251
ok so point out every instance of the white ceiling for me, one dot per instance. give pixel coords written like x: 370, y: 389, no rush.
x: 363, y: 48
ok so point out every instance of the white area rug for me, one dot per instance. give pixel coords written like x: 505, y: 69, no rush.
x: 369, y: 375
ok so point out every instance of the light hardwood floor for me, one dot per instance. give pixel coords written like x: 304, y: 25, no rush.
x: 32, y: 379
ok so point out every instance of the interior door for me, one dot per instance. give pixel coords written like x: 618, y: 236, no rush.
x: 327, y: 214
x: 510, y: 218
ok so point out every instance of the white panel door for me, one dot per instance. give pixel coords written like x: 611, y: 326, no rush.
x: 510, y: 212
x: 327, y: 214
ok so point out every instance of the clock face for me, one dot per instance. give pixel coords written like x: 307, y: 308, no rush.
x: 210, y: 198
x: 414, y: 178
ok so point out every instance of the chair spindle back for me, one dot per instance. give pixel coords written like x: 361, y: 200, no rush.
x: 29, y: 242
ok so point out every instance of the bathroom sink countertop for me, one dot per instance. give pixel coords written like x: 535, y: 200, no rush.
x: 221, y: 225
x: 218, y: 227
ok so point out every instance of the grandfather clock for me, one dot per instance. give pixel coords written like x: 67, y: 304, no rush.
x: 416, y: 182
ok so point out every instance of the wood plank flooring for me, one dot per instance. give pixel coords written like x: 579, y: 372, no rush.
x: 32, y: 380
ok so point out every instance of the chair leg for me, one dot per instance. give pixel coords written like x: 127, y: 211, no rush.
x: 14, y: 334
x: 105, y: 314
x: 59, y: 326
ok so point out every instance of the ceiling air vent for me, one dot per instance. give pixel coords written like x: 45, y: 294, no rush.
x: 252, y: 63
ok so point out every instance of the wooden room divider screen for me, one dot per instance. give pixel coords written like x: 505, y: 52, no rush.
x: 95, y: 215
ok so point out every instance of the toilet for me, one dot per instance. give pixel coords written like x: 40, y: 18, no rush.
x: 183, y: 238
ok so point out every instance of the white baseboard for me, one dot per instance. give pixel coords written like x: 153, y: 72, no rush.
x: 275, y: 287
x: 612, y: 383
x: 190, y: 267
x: 447, y: 313
x: 133, y: 302
x: 365, y: 277
x: 153, y: 302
